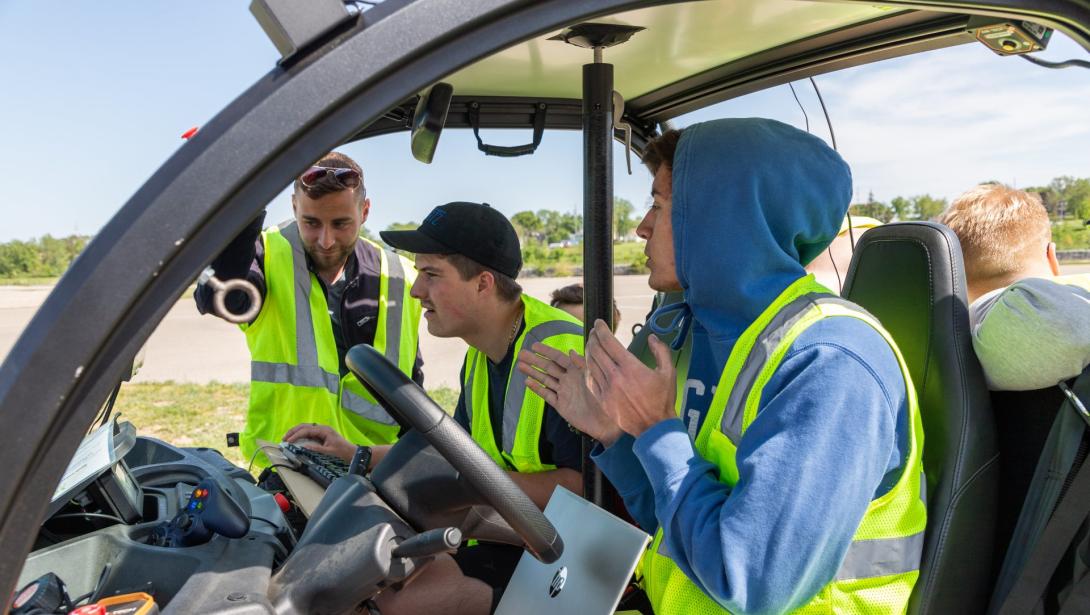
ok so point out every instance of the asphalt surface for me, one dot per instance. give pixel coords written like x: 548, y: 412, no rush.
x: 188, y: 347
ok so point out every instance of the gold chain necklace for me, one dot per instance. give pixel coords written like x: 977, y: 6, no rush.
x: 514, y: 329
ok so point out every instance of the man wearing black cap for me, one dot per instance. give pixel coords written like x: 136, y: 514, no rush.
x: 467, y: 259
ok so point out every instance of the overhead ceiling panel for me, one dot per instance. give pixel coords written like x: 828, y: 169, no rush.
x: 678, y: 41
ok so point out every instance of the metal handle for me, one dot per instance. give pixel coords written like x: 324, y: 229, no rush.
x: 625, y: 127
x: 222, y: 289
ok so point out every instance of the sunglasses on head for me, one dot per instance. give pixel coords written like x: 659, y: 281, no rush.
x: 349, y: 178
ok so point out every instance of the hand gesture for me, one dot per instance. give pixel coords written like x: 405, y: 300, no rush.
x: 634, y: 395
x: 321, y: 438
x: 561, y: 380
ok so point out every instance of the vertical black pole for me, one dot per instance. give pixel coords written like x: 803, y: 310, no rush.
x: 597, y: 223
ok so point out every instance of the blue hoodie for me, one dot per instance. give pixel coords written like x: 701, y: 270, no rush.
x: 753, y: 201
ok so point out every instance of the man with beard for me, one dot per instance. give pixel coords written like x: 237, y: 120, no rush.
x: 324, y: 289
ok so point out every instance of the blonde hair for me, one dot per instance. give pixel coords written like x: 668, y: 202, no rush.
x: 1001, y: 230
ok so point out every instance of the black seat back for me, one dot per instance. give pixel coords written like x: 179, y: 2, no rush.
x: 910, y: 276
x: 1023, y: 420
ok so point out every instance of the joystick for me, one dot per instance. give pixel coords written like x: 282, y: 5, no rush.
x: 209, y: 511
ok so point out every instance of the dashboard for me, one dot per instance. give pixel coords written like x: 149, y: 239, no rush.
x: 88, y: 543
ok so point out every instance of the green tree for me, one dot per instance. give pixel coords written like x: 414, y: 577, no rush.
x: 920, y: 207
x: 1074, y: 194
x: 873, y: 209
x: 45, y: 257
x: 902, y: 208
x: 927, y: 207
x: 623, y: 222
x: 403, y: 226
x: 529, y: 225
x: 18, y: 259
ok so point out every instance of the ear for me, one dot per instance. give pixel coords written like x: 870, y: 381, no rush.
x: 1053, y: 261
x: 365, y: 209
x: 485, y: 281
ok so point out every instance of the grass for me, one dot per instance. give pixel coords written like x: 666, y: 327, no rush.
x: 1071, y: 235
x: 563, y: 261
x: 188, y: 415
x: 28, y: 281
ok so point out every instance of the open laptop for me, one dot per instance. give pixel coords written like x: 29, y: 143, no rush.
x: 600, y: 553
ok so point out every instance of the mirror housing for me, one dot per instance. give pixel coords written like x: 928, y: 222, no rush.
x: 429, y: 119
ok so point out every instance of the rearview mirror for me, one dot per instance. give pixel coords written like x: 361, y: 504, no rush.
x: 429, y: 119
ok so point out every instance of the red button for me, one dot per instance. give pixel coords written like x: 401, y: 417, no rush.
x: 90, y: 609
x: 282, y: 502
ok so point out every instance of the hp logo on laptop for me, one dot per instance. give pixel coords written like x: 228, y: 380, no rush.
x: 559, y: 579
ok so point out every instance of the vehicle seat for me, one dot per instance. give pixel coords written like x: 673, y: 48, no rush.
x: 911, y: 277
x: 1023, y: 421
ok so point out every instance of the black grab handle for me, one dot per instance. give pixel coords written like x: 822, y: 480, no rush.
x: 508, y: 151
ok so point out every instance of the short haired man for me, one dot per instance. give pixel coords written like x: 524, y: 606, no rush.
x: 467, y: 259
x: 1030, y: 325
x: 324, y: 289
x: 570, y: 299
x: 800, y: 486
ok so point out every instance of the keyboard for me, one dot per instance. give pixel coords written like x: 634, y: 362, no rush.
x: 321, y: 468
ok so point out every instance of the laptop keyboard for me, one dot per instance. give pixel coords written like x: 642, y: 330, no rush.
x: 321, y: 468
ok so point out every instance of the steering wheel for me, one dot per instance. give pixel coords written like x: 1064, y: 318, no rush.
x: 406, y: 401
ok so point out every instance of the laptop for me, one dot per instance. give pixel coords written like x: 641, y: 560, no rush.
x: 600, y: 554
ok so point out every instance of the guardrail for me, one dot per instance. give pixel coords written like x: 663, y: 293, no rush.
x: 1073, y: 255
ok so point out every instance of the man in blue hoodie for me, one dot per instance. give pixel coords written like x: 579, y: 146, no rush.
x: 797, y: 482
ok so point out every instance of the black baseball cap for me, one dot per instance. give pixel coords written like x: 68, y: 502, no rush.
x: 474, y: 230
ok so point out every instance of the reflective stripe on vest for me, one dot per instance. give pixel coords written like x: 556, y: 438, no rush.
x: 544, y: 324
x: 882, y: 562
x: 295, y: 375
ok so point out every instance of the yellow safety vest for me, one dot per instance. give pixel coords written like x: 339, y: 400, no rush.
x: 295, y: 369
x: 883, y: 561
x: 523, y: 410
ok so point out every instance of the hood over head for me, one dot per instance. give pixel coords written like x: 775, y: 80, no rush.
x: 753, y: 201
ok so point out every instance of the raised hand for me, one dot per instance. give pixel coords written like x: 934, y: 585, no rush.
x: 635, y: 396
x: 561, y: 380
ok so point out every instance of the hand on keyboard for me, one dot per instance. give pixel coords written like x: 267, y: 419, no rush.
x: 322, y: 469
x: 322, y: 439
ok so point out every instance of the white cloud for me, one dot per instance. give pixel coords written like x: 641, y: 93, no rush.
x: 942, y: 121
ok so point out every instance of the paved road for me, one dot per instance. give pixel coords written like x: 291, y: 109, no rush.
x: 188, y: 347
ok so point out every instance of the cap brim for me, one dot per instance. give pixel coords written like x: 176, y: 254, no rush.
x: 413, y: 241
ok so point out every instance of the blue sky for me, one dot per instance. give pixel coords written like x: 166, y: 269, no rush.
x: 96, y: 96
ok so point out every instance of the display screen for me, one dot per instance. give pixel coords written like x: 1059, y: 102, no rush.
x: 128, y: 485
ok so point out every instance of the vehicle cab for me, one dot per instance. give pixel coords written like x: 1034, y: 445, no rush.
x: 619, y: 72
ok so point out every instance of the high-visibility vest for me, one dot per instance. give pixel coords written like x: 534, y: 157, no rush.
x: 523, y: 410
x: 882, y: 564
x: 295, y: 368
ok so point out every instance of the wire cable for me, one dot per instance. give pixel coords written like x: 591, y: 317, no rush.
x: 832, y: 136
x: 824, y: 110
x: 104, y: 414
x: 252, y: 459
x: 805, y: 117
x: 88, y: 514
x: 836, y: 270
x: 1064, y: 64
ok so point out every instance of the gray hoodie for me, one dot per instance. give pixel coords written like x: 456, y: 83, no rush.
x: 1034, y: 333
